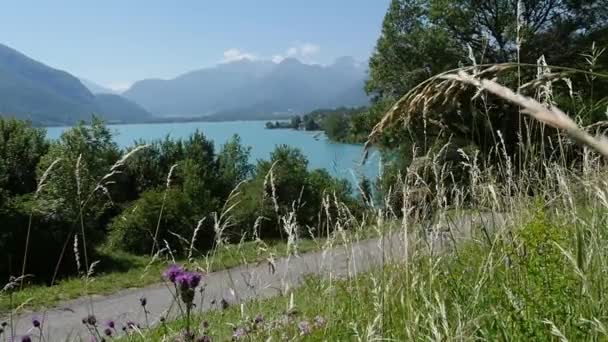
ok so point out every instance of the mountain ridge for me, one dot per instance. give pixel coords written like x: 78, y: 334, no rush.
x: 34, y: 91
x: 253, y: 87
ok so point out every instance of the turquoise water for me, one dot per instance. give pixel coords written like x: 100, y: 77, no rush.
x: 340, y: 160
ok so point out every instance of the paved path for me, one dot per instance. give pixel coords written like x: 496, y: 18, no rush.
x: 63, y: 323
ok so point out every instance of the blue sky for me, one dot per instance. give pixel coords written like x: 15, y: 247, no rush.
x: 117, y: 42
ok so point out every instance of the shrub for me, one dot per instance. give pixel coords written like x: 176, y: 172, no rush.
x: 134, y: 230
x: 284, y: 186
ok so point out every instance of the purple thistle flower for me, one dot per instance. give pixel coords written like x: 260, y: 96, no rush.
x: 259, y: 319
x: 36, y: 322
x: 172, y: 272
x: 304, y: 327
x: 108, y: 332
x: 188, y: 280
x: 111, y: 324
x: 239, y: 333
x: 26, y: 338
x: 143, y: 301
x: 4, y: 324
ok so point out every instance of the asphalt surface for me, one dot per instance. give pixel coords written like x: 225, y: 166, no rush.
x: 64, y: 322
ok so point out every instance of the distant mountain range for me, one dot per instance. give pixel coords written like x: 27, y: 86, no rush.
x: 47, y: 96
x: 247, y: 89
x: 239, y: 90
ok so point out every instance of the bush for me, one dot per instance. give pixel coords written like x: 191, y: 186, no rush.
x: 289, y: 188
x: 134, y: 230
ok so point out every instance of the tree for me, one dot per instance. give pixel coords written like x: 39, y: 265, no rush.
x: 410, y: 49
x: 336, y: 126
x: 495, y: 29
x: 21, y: 148
x: 296, y: 121
x: 283, y: 187
x: 73, y: 200
x: 233, y: 163
x: 422, y: 38
x: 310, y: 124
x: 134, y: 230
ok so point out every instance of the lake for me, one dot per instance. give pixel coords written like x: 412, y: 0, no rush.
x: 340, y: 160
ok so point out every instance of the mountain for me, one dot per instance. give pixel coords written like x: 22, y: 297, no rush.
x: 116, y: 108
x: 253, y: 89
x: 95, y: 88
x: 47, y: 96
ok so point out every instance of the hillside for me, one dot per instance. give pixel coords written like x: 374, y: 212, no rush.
x: 95, y: 88
x: 249, y: 89
x: 46, y: 96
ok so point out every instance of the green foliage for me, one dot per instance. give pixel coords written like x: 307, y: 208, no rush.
x: 283, y: 185
x: 233, y: 163
x: 335, y: 126
x: 22, y: 148
x: 172, y: 185
x: 422, y: 38
x: 134, y: 229
x: 198, y: 187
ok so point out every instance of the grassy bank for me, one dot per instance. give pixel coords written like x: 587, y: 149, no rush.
x: 138, y: 271
x: 129, y: 271
x: 534, y: 281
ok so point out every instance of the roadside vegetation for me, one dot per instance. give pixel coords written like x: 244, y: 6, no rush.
x: 496, y: 113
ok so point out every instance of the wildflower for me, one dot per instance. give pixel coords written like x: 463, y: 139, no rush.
x: 111, y: 324
x: 108, y: 332
x: 304, y: 327
x: 131, y: 325
x: 26, y: 338
x: 320, y: 321
x: 143, y: 301
x: 172, y: 272
x: 224, y: 303
x: 259, y: 319
x: 239, y: 333
x: 36, y: 322
x: 4, y: 324
x: 162, y: 319
x: 205, y: 324
x: 204, y: 338
x: 188, y: 280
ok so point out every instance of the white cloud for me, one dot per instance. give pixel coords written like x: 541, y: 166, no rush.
x: 120, y: 86
x: 292, y: 51
x: 303, y: 51
x: 308, y: 49
x: 277, y: 59
x: 232, y: 55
